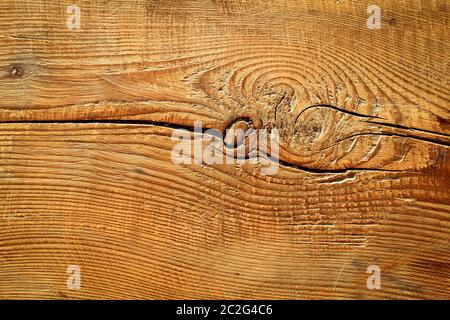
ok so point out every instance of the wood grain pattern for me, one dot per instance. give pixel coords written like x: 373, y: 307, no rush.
x: 86, y: 177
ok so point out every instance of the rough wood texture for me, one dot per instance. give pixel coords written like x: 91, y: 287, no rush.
x: 86, y: 176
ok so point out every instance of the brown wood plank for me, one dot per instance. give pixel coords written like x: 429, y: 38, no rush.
x: 172, y: 60
x: 109, y: 199
x: 87, y: 179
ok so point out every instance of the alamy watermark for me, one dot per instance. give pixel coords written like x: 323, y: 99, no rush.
x: 374, y: 20
x: 74, y: 20
x: 239, y: 146
x: 374, y: 279
x: 74, y: 277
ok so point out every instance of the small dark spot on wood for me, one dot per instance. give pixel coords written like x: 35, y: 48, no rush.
x: 443, y: 123
x: 392, y: 21
x: 441, y: 155
x: 16, y: 71
x: 139, y: 170
x: 358, y: 264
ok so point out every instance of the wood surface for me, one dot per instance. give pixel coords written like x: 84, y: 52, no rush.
x: 86, y: 176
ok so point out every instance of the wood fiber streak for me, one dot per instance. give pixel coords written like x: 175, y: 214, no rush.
x: 86, y: 176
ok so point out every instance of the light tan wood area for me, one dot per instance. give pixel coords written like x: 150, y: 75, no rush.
x: 87, y: 178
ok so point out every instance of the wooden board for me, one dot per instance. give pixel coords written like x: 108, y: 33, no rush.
x: 87, y: 179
